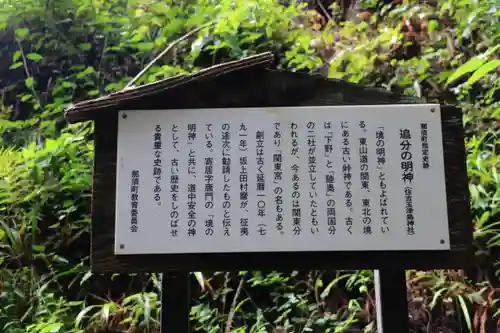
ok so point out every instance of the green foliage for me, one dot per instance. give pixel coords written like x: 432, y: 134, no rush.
x: 44, y: 201
x: 65, y: 51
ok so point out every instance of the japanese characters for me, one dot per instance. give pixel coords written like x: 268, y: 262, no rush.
x: 331, y: 214
x: 134, y: 201
x: 407, y: 176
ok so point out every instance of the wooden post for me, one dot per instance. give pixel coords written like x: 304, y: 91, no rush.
x: 391, y: 301
x: 175, y: 305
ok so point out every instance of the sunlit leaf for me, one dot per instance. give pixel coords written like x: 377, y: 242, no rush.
x: 81, y: 315
x: 16, y: 65
x: 52, y: 328
x: 16, y: 56
x: 38, y: 248
x: 465, y: 312
x: 470, y: 66
x: 432, y: 25
x: 483, y: 71
x: 34, y: 57
x: 29, y: 82
x: 22, y: 32
x: 87, y: 276
x: 85, y: 46
x: 201, y: 280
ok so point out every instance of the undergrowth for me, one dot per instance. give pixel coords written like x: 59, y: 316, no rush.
x: 56, y: 53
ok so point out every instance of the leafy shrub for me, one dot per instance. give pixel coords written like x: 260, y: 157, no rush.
x: 65, y: 51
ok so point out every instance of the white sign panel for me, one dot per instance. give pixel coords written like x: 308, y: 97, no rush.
x: 330, y: 178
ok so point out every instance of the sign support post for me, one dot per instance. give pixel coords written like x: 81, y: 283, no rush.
x: 391, y: 301
x: 174, y: 307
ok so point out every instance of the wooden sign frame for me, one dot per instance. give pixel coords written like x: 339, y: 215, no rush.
x: 250, y: 83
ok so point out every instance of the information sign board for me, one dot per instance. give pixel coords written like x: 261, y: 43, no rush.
x: 326, y: 178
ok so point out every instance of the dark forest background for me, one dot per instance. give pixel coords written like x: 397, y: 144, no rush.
x: 56, y: 52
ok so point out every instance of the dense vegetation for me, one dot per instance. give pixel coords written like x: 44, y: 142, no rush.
x: 54, y: 53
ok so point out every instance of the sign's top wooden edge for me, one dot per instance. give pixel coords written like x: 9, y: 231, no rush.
x: 83, y: 111
x: 264, y: 60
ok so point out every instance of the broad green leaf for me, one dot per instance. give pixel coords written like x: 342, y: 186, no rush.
x: 470, y: 66
x: 22, y: 32
x: 51, y: 328
x: 483, y: 71
x: 432, y: 25
x: 2, y: 234
x: 16, y: 56
x: 85, y: 46
x: 34, y: 57
x: 38, y: 248
x: 105, y: 311
x: 145, y: 46
x: 89, y: 70
x: 16, y: 65
x: 161, y: 8
x: 29, y: 82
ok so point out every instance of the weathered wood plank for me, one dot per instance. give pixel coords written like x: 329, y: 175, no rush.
x: 86, y: 110
x: 457, y: 188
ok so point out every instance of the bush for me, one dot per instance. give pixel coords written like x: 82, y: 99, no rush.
x: 56, y: 53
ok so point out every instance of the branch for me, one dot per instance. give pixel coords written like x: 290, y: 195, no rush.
x: 28, y: 74
x: 165, y: 51
x: 232, y: 311
x: 101, y: 61
x: 323, y: 9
